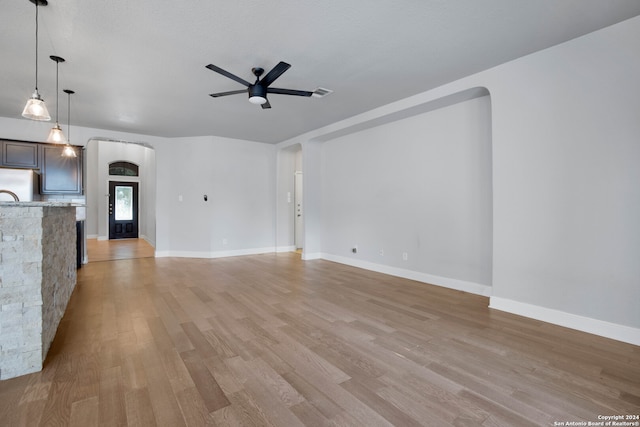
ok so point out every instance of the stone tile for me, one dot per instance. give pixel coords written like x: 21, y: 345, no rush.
x: 37, y: 277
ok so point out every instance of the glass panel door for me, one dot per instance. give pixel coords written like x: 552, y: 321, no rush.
x: 123, y: 210
x: 124, y: 203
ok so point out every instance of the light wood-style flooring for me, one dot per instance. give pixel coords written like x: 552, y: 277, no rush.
x: 270, y: 340
x: 109, y: 250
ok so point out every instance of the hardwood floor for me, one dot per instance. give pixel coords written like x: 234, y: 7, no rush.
x: 109, y: 250
x: 270, y: 340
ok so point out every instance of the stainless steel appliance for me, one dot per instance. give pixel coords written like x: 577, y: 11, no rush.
x: 24, y: 183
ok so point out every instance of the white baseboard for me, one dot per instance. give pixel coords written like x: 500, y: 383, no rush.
x: 216, y: 254
x: 460, y: 285
x: 285, y: 249
x: 92, y: 236
x: 149, y: 241
x: 580, y: 323
x: 310, y: 256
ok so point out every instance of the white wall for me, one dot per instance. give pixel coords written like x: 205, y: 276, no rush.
x: 239, y: 180
x: 420, y: 186
x: 566, y: 146
x: 567, y: 180
x: 150, y: 189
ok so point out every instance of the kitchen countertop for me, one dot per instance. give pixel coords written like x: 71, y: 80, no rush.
x: 40, y: 204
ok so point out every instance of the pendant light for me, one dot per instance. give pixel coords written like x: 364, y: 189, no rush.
x: 35, y: 108
x: 56, y: 136
x: 69, y: 151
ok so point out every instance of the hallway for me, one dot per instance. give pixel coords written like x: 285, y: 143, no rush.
x: 110, y: 250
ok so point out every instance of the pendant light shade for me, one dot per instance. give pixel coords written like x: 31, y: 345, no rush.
x: 69, y: 151
x: 56, y: 136
x: 36, y: 108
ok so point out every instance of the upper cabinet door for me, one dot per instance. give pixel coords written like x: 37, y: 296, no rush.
x: 60, y: 175
x: 20, y: 154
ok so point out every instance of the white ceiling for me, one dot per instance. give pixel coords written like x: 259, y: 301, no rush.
x: 139, y: 66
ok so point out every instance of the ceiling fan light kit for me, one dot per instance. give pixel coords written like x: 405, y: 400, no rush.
x: 261, y: 87
x: 35, y: 109
x: 257, y: 94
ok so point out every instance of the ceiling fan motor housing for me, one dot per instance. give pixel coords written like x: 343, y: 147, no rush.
x: 257, y: 94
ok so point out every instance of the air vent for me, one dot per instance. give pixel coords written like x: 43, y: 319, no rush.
x: 321, y: 92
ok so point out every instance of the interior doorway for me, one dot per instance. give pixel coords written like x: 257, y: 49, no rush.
x: 290, y: 234
x: 123, y: 210
x: 298, y: 229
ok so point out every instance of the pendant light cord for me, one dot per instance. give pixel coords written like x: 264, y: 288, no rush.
x: 69, y: 118
x: 36, y: 2
x: 57, y: 67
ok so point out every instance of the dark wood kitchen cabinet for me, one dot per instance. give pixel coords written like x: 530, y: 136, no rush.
x: 59, y: 174
x: 16, y: 154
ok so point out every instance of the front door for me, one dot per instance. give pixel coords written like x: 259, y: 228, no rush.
x: 123, y: 210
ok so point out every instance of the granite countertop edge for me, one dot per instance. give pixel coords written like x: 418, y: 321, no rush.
x: 40, y: 204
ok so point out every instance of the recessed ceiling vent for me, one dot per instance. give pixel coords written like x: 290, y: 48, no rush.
x: 321, y: 92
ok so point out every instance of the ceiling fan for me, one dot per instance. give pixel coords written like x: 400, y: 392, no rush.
x: 258, y: 91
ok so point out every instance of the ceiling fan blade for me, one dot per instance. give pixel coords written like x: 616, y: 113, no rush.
x: 228, y: 74
x: 232, y: 92
x: 274, y: 73
x: 266, y: 105
x: 289, y: 91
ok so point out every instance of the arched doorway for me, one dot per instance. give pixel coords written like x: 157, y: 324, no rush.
x: 128, y: 169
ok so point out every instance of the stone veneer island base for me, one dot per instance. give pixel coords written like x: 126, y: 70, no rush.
x: 37, y: 277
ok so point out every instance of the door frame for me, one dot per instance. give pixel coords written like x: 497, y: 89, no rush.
x: 123, y: 178
x: 298, y: 212
x: 136, y: 207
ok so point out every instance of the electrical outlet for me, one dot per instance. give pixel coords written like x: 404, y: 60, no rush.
x: 405, y: 256
x: 225, y: 241
x: 381, y: 252
x: 355, y: 249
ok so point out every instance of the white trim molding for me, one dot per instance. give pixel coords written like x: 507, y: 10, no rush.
x: 216, y: 254
x: 308, y: 257
x: 580, y: 323
x: 445, y: 282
